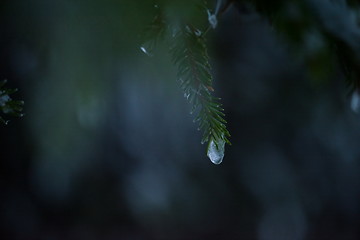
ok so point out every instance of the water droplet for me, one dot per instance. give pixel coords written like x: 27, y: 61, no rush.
x: 156, y: 6
x: 355, y: 101
x: 143, y: 49
x: 212, y: 19
x: 216, y: 154
x: 198, y: 32
x: 187, y: 95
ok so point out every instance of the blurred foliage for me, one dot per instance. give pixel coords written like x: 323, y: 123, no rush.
x: 323, y: 32
x: 7, y: 104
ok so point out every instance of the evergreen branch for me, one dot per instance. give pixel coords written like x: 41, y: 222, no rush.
x: 189, y: 53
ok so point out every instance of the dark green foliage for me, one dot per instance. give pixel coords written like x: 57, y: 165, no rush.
x: 7, y: 105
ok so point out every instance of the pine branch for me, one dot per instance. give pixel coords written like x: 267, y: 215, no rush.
x: 189, y: 53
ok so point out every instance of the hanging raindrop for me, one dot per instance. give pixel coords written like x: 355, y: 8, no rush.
x: 198, y: 33
x: 187, y: 95
x: 144, y: 50
x: 212, y: 19
x: 216, y: 153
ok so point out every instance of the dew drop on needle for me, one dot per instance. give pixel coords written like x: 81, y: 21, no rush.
x: 216, y: 153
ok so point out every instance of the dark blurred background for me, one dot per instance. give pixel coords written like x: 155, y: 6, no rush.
x: 108, y: 150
